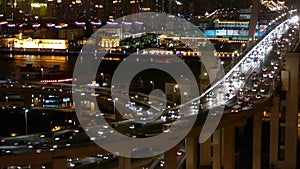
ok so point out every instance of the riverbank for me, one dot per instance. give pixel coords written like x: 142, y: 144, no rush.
x: 28, y: 51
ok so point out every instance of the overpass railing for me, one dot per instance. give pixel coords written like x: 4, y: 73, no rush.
x: 228, y: 70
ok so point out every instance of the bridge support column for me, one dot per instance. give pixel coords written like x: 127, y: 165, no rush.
x: 171, y: 158
x: 191, y: 152
x: 257, y: 136
x: 205, y: 153
x: 274, y: 127
x: 229, y: 148
x: 60, y: 163
x: 35, y: 166
x: 124, y: 163
x: 217, y: 149
x: 292, y: 65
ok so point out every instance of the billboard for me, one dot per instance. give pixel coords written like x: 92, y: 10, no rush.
x: 220, y: 32
x: 245, y: 16
x: 210, y: 33
x: 235, y: 33
x: 229, y: 33
x: 243, y: 32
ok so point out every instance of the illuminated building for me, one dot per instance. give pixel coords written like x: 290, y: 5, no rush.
x: 18, y: 9
x: 71, y: 7
x: 133, y: 7
x: 231, y: 24
x: 51, y: 11
x: 109, y: 37
x: 274, y: 5
x: 125, y: 7
x: 245, y: 14
x: 108, y: 9
x: 2, y: 6
x: 30, y: 43
x: 71, y: 33
x: 175, y: 7
x: 234, y: 30
x: 23, y: 6
x: 152, y: 6
x: 79, y: 10
x: 117, y: 8
x: 39, y: 9
x: 98, y: 11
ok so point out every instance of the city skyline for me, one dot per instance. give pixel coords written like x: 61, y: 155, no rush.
x: 101, y: 10
x: 159, y: 84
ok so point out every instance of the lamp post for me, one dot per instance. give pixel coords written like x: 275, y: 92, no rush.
x: 26, y: 123
x: 175, y: 91
x: 187, y: 96
x: 42, y: 70
x: 152, y: 84
x: 175, y: 87
x: 114, y: 101
x: 102, y: 77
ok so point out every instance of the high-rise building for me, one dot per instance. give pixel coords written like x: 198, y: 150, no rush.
x: 38, y: 8
x: 133, y: 7
x: 108, y: 8
x: 72, y: 10
x: 24, y: 6
x: 125, y: 7
x: 175, y: 7
x: 152, y: 5
x: 51, y: 10
x: 98, y: 10
x: 2, y: 6
x: 117, y: 8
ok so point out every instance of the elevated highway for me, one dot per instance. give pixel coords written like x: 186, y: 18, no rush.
x: 257, y: 67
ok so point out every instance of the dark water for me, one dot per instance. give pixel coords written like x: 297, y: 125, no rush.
x: 9, y: 62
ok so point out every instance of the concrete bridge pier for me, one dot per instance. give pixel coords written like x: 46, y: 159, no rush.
x: 191, y: 152
x: 57, y: 162
x: 291, y: 114
x: 35, y: 166
x: 217, y: 149
x: 284, y: 117
x: 124, y: 163
x: 274, y: 133
x: 205, y: 153
x: 229, y: 147
x: 171, y: 158
x: 257, y: 140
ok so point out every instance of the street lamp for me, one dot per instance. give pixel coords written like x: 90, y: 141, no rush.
x: 174, y: 90
x: 42, y: 69
x: 187, y: 96
x: 102, y: 77
x: 175, y: 87
x: 152, y: 84
x: 26, y: 123
x: 114, y: 101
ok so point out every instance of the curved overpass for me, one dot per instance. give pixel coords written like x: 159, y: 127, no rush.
x: 259, y: 59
